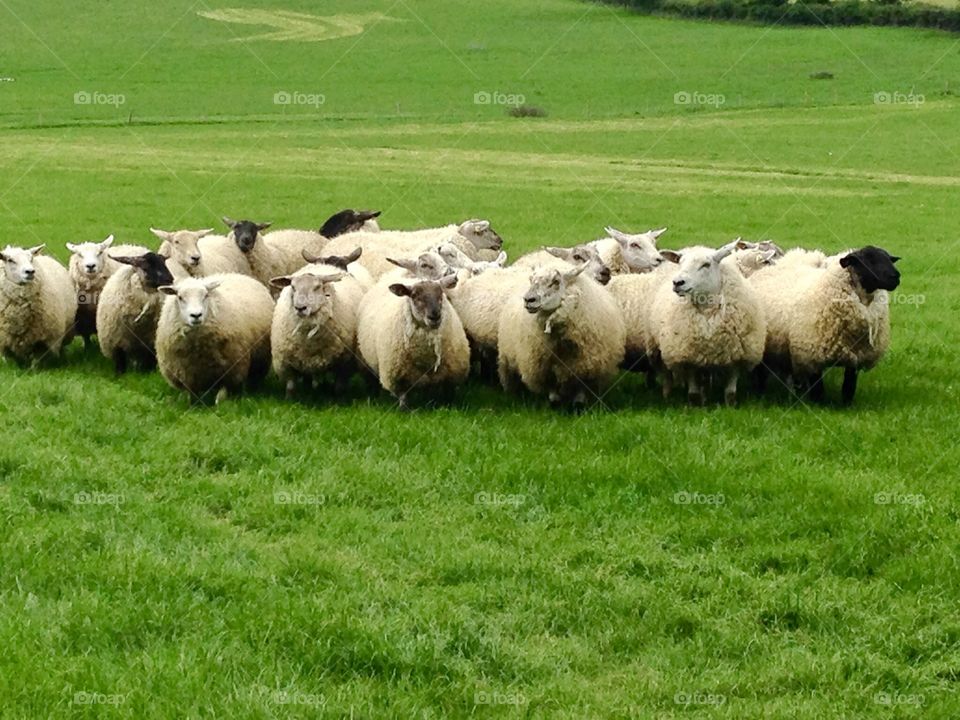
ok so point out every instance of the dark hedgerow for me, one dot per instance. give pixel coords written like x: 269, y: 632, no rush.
x: 892, y: 13
x: 526, y: 111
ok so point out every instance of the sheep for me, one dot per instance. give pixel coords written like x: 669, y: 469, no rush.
x: 39, y: 305
x: 475, y: 238
x: 347, y: 221
x: 564, y: 339
x: 752, y: 257
x: 411, y: 337
x: 275, y: 254
x: 315, y: 325
x: 129, y: 310
x: 459, y: 260
x: 708, y: 319
x: 347, y: 263
x: 214, y: 334
x: 629, y: 253
x: 198, y: 253
x: 90, y: 267
x: 841, y: 317
x: 563, y: 258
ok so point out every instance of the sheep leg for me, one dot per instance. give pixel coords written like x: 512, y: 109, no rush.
x: 222, y: 394
x: 760, y: 376
x: 849, y: 385
x: 402, y: 402
x: 817, y: 391
x: 695, y: 394
x: 291, y: 387
x: 667, y: 384
x: 119, y: 361
x: 730, y: 391
x: 341, y: 378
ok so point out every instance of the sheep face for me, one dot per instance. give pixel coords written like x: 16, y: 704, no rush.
x: 347, y: 221
x: 428, y: 266
x: 92, y: 256
x: 426, y: 299
x: 18, y: 264
x: 310, y: 293
x: 588, y: 257
x: 183, y: 244
x: 698, y: 278
x: 245, y: 232
x: 752, y: 257
x: 481, y: 234
x: 873, y: 268
x: 193, y: 299
x: 547, y: 289
x: 639, y: 250
x: 453, y: 256
x: 151, y: 268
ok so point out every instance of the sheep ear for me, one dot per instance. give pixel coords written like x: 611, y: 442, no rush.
x: 263, y: 226
x: 212, y: 285
x: 107, y: 243
x: 410, y: 265
x: 571, y: 275
x: 724, y: 251
x: 620, y: 237
x: 501, y: 258
x: 355, y: 255
x: 310, y: 257
x: 204, y: 232
x: 849, y: 260
x: 162, y: 234
x: 744, y: 245
x: 558, y: 252
x: 769, y: 255
x: 72, y: 248
x: 894, y: 258
x: 655, y: 234
x: 167, y: 290
x: 448, y: 282
x: 136, y: 261
x: 335, y: 277
x: 400, y: 289
x: 671, y: 255
x: 36, y: 250
x: 365, y: 215
x: 281, y: 282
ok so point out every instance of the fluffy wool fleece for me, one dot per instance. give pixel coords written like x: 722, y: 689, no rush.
x: 281, y: 252
x: 729, y: 331
x: 37, y: 318
x: 580, y: 343
x: 634, y: 294
x: 230, y: 346
x: 89, y: 288
x: 405, y: 355
x: 127, y: 316
x: 309, y: 346
x: 479, y: 301
x: 836, y: 322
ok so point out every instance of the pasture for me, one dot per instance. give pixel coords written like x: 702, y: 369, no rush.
x: 268, y: 558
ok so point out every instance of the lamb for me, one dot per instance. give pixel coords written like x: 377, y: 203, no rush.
x: 275, y: 254
x: 841, y: 317
x: 214, y: 334
x: 629, y: 253
x: 197, y: 253
x: 565, y: 339
x: 129, y: 310
x: 475, y: 238
x: 563, y: 258
x: 90, y: 267
x: 708, y: 319
x: 39, y: 305
x: 412, y: 338
x: 314, y: 326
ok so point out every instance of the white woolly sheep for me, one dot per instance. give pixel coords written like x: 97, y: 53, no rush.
x: 198, y: 253
x: 39, y: 305
x: 275, y: 254
x: 412, y: 339
x: 129, y: 310
x: 90, y: 267
x: 708, y: 319
x: 214, y: 334
x: 629, y: 253
x: 839, y: 317
x: 314, y: 326
x: 565, y: 338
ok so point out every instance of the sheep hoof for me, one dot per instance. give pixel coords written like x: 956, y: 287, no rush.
x: 290, y: 388
x: 402, y: 403
x: 731, y: 399
x: 221, y: 396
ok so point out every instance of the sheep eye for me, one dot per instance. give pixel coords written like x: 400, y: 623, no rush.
x: 705, y: 266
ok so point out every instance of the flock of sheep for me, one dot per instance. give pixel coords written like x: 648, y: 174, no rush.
x: 420, y: 310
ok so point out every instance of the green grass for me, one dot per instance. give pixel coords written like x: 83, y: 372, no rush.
x: 493, y: 550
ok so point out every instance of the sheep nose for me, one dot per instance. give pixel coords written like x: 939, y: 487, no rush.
x: 29, y: 272
x: 196, y: 316
x: 195, y: 259
x: 301, y: 309
x: 605, y: 276
x: 91, y: 267
x: 677, y: 284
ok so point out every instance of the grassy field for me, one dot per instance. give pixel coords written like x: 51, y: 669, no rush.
x: 275, y: 559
